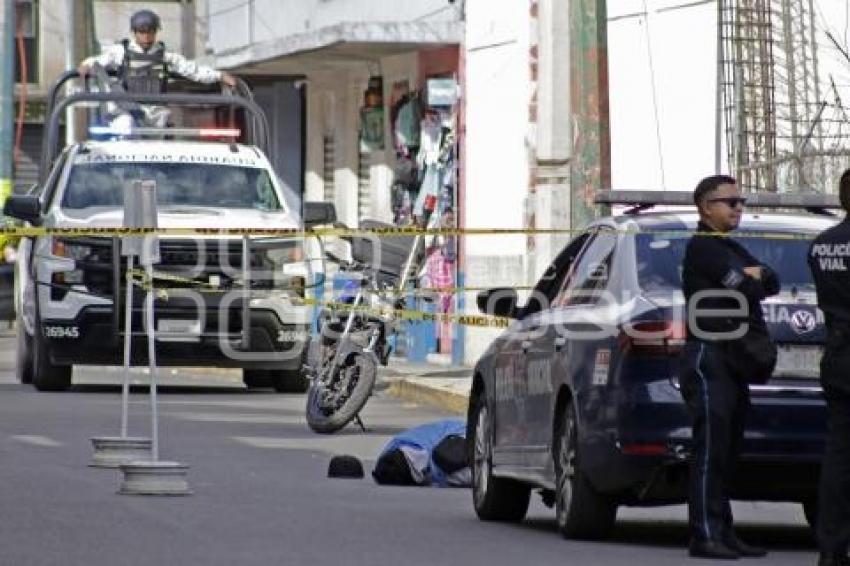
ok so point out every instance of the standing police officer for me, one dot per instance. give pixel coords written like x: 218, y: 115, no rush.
x: 719, y: 276
x: 829, y: 260
x: 144, y: 65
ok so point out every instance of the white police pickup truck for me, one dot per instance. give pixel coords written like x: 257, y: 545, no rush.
x: 70, y: 290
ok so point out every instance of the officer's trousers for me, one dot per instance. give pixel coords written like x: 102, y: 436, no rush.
x: 718, y: 403
x: 833, y: 522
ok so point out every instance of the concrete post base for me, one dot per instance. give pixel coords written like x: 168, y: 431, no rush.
x: 154, y: 478
x: 112, y: 451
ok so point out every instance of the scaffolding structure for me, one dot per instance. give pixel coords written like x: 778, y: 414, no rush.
x: 786, y: 129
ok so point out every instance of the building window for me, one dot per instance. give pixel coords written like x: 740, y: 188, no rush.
x: 26, y: 19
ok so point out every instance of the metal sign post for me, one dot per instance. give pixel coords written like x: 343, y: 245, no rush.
x: 110, y: 451
x: 147, y: 477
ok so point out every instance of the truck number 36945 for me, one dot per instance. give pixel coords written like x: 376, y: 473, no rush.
x: 61, y: 332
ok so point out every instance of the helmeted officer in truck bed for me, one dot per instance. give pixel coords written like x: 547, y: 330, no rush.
x: 144, y: 65
x: 829, y: 260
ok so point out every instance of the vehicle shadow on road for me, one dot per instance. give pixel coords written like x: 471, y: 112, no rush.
x: 674, y: 534
x: 166, y: 389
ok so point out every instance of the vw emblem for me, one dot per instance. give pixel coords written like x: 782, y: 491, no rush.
x: 803, y: 321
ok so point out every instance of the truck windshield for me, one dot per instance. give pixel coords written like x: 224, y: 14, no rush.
x: 177, y: 184
x: 659, y: 259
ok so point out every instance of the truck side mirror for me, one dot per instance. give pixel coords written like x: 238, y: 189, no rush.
x: 316, y: 213
x: 23, y: 207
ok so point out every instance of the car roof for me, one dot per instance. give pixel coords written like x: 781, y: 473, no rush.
x: 758, y: 221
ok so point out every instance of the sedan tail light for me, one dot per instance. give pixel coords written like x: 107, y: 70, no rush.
x: 653, y: 337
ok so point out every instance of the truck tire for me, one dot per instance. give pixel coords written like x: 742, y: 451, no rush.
x: 256, y: 378
x: 23, y: 352
x: 810, y: 510
x: 494, y: 498
x: 289, y: 381
x: 47, y: 376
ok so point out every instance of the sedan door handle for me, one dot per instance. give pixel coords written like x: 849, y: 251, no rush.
x: 560, y: 341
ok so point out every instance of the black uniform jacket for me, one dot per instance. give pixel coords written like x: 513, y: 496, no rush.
x: 717, y: 263
x: 829, y: 260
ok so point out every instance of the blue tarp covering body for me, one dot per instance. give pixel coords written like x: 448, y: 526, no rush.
x: 423, y: 439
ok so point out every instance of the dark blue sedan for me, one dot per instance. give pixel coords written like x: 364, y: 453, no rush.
x: 579, y: 397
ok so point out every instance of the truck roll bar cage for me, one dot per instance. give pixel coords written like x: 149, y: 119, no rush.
x: 242, y: 99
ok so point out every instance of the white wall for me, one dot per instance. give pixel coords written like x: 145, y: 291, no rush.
x: 333, y: 107
x: 235, y: 23
x: 497, y: 149
x: 53, y: 29
x: 333, y: 99
x: 497, y: 106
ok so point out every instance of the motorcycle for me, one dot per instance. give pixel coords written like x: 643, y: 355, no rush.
x: 353, y: 337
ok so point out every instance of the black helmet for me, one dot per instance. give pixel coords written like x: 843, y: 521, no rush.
x: 144, y: 20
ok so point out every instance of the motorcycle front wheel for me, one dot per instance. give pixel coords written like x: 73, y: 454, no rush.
x: 332, y: 404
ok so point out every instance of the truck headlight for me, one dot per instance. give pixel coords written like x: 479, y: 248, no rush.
x: 74, y: 276
x: 70, y: 250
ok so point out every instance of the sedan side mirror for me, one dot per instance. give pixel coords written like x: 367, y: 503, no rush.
x: 316, y: 213
x: 23, y: 207
x: 500, y: 301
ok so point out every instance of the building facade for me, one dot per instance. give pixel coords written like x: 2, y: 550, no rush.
x: 405, y: 106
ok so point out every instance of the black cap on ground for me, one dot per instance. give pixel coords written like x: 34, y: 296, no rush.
x: 345, y: 466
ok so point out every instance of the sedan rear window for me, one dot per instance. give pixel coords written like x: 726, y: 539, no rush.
x: 659, y: 259
x: 187, y: 184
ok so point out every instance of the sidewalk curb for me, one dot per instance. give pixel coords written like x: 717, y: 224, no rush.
x: 417, y: 392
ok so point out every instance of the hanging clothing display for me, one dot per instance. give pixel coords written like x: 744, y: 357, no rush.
x: 424, y: 186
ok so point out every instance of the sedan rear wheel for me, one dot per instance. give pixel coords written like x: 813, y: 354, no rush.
x: 581, y: 511
x: 495, y: 499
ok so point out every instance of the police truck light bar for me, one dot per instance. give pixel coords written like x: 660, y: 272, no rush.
x: 641, y: 200
x: 177, y: 132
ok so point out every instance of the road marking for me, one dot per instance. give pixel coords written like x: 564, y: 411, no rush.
x: 36, y: 440
x: 366, y: 447
x: 251, y: 418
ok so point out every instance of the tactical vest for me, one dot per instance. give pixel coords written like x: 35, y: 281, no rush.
x: 144, y: 73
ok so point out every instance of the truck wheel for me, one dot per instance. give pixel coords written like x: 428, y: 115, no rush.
x: 47, y: 376
x: 810, y: 510
x: 581, y: 511
x: 494, y: 498
x: 289, y: 381
x: 256, y: 378
x: 23, y: 352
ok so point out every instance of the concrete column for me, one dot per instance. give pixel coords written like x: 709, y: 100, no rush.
x: 551, y: 167
x: 590, y: 170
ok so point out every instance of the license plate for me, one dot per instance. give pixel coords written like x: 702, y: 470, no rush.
x: 175, y: 330
x: 798, y: 361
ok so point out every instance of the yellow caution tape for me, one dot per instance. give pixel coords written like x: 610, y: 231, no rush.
x: 483, y: 321
x: 32, y: 231
x: 143, y: 280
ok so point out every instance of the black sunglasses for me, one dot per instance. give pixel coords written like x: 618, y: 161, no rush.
x: 731, y: 202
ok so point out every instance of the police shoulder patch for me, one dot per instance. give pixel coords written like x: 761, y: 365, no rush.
x: 732, y: 279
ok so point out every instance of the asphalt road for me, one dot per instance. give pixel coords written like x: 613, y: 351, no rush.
x: 261, y: 495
